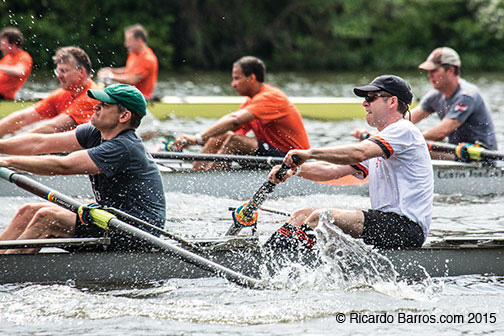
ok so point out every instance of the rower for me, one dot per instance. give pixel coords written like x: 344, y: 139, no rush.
x: 16, y: 65
x: 400, y: 176
x: 465, y: 116
x: 64, y: 108
x: 123, y: 175
x: 276, y: 122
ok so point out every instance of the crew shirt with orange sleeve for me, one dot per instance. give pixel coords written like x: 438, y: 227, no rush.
x: 79, y: 108
x: 144, y: 63
x: 10, y: 85
x: 277, y: 120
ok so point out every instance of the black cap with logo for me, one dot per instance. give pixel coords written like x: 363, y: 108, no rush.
x: 394, y: 85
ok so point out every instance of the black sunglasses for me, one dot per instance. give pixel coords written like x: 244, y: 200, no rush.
x: 372, y: 97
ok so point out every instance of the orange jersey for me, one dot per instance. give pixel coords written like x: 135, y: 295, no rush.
x: 79, y: 108
x: 144, y: 63
x: 277, y: 121
x: 9, y: 85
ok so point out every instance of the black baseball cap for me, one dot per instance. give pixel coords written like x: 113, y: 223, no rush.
x: 394, y: 85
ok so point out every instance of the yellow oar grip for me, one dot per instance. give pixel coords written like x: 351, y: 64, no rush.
x: 475, y: 152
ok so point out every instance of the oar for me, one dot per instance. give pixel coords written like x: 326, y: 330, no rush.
x: 269, y: 160
x: 132, y: 219
x: 473, y: 152
x: 273, y: 211
x: 107, y: 220
x: 246, y: 215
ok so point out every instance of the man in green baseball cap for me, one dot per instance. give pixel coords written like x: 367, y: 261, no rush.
x: 126, y: 98
x: 126, y: 95
x: 123, y: 175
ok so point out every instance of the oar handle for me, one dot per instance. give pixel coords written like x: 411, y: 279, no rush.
x: 260, y: 195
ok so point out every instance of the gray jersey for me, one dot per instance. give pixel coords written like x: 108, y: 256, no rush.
x: 468, y: 107
x: 130, y: 180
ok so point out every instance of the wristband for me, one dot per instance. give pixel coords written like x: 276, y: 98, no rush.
x: 199, y: 139
x: 298, y: 171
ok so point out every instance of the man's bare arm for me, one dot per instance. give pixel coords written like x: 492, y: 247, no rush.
x: 19, y: 119
x: 13, y: 70
x: 75, y: 163
x: 35, y: 144
x: 61, y: 123
x: 441, y: 131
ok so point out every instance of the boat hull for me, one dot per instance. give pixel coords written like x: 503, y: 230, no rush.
x: 459, y: 257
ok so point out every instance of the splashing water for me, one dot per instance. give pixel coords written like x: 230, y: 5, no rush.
x: 348, y: 260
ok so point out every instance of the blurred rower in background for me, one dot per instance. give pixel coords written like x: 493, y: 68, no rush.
x: 465, y: 116
x: 16, y: 64
x: 141, y: 68
x: 276, y: 122
x: 65, y: 107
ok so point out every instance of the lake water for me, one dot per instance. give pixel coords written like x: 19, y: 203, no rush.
x: 308, y: 304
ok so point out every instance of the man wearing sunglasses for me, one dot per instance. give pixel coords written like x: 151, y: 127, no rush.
x: 64, y: 108
x: 464, y: 114
x: 397, y: 161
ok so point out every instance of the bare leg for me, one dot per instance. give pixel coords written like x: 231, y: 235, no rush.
x: 48, y: 221
x: 229, y: 143
x: 299, y: 217
x: 212, y: 146
x: 349, y: 221
x: 20, y: 221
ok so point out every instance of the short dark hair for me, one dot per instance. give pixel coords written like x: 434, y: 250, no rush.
x: 252, y: 65
x: 138, y: 31
x: 135, y: 118
x: 402, y: 107
x: 65, y: 54
x: 13, y: 35
x: 456, y: 69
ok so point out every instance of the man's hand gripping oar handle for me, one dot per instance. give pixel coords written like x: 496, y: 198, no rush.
x: 246, y: 215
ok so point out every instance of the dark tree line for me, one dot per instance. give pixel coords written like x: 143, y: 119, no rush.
x: 287, y: 34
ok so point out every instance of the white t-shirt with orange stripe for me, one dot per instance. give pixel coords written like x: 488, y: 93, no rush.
x: 401, y: 181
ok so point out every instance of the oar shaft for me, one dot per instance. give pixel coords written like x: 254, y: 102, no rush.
x: 187, y: 256
x: 132, y: 219
x: 260, y: 195
x: 269, y: 160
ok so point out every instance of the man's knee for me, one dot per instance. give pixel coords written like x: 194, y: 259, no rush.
x: 29, y: 209
x: 313, y: 219
x: 300, y: 216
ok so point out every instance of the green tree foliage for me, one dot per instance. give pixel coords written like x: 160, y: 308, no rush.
x: 287, y: 34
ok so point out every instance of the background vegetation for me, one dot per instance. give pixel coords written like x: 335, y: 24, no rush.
x: 288, y: 34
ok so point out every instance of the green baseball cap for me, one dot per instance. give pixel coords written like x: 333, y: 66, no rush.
x: 124, y: 94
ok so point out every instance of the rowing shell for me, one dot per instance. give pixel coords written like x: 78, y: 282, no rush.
x: 449, y: 178
x: 449, y: 257
x: 320, y: 108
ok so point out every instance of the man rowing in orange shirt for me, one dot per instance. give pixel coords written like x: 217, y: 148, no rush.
x: 15, y: 66
x: 276, y: 122
x: 141, y: 66
x: 65, y: 107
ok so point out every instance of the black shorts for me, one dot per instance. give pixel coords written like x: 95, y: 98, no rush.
x: 390, y: 230
x: 265, y: 149
x: 119, y: 241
